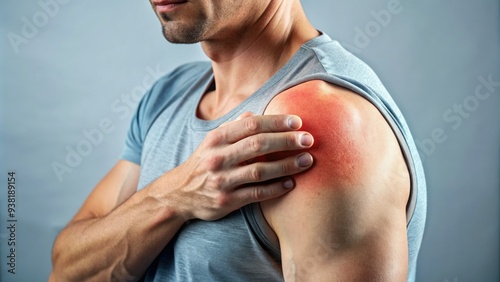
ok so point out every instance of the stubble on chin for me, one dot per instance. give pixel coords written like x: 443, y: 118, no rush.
x: 179, y: 33
x: 181, y: 36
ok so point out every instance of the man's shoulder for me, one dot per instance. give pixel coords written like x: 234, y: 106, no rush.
x: 172, y: 85
x: 355, y: 193
x: 339, y: 64
x: 170, y: 88
x: 350, y: 133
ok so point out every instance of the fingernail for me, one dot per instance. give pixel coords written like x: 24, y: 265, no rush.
x: 288, y: 184
x: 305, y: 160
x: 294, y: 122
x: 306, y: 140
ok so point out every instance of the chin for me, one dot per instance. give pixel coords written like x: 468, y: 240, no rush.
x: 179, y: 36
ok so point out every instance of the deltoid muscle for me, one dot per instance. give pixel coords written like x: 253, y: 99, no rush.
x: 332, y: 123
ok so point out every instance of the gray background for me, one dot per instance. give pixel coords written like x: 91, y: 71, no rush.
x: 74, y: 71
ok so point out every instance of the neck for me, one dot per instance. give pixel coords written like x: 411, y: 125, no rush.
x: 242, y: 63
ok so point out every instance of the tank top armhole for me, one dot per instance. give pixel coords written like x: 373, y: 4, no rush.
x: 364, y: 90
x: 261, y: 229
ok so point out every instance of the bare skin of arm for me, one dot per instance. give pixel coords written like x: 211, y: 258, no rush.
x: 345, y: 220
x: 118, y: 232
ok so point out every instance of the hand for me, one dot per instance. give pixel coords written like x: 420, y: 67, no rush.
x: 217, y: 179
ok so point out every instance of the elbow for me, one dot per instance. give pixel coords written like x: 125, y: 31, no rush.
x: 61, y: 261
x: 56, y: 274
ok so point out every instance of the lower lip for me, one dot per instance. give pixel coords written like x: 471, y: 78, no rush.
x: 168, y: 8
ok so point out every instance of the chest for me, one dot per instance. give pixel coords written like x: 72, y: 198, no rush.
x: 201, y: 251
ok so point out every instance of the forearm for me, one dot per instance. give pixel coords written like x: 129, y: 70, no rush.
x: 105, y: 242
x: 119, y: 246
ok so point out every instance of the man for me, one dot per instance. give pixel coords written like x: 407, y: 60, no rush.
x: 204, y: 189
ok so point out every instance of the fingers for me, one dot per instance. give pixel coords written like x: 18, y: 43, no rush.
x: 266, y: 143
x: 263, y: 192
x: 270, y: 170
x: 237, y: 130
x: 215, y: 172
x: 264, y: 171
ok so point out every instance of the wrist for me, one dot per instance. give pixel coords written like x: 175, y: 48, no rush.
x: 165, y: 200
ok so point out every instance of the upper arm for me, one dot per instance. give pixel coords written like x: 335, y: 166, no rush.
x: 118, y: 185
x: 345, y: 220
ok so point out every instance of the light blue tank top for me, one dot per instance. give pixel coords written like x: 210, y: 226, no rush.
x: 239, y: 247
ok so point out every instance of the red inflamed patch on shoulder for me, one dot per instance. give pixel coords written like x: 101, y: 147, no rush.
x: 337, y: 124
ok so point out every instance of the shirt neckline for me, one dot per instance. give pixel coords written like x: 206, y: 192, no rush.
x: 205, y: 125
